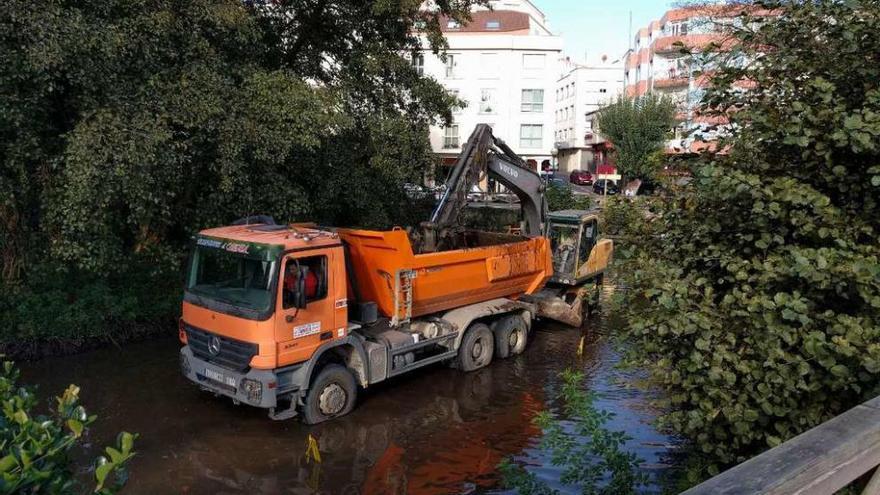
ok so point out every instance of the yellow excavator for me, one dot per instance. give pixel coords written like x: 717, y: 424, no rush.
x: 580, y: 254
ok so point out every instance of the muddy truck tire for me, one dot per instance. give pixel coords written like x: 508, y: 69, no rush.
x: 477, y: 348
x: 333, y: 393
x: 511, y: 333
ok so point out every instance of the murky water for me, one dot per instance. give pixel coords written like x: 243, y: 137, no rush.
x: 435, y: 431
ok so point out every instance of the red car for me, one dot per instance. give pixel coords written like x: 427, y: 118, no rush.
x: 581, y: 178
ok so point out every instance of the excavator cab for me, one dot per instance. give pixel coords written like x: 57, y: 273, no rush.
x: 579, y: 255
x: 580, y: 258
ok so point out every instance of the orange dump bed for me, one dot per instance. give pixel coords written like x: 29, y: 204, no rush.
x: 404, y: 284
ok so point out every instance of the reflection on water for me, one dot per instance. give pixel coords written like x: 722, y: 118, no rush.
x: 435, y: 431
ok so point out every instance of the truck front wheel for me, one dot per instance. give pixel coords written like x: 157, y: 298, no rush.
x: 477, y: 348
x: 332, y: 394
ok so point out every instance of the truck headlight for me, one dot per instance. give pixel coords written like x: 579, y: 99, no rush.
x: 253, y: 389
x: 184, y: 364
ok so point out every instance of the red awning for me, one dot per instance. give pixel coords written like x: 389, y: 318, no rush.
x: 606, y: 170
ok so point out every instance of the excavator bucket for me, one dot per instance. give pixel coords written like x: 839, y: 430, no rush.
x: 568, y: 305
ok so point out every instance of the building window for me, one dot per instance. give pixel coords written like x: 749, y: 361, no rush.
x: 450, y: 136
x: 533, y: 61
x: 487, y: 100
x: 493, y: 25
x: 533, y: 100
x: 418, y: 61
x: 489, y: 66
x: 680, y: 29
x: 452, y: 24
x: 530, y: 135
x: 451, y: 66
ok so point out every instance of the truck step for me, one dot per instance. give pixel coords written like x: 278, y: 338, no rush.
x: 283, y: 414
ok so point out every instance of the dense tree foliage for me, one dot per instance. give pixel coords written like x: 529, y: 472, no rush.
x: 126, y: 126
x: 637, y: 127
x: 754, y: 297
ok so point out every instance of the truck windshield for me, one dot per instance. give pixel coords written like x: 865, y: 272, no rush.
x: 231, y: 278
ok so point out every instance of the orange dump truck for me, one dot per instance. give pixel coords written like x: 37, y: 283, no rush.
x: 296, y: 319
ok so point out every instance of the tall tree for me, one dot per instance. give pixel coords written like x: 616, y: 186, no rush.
x: 637, y: 127
x: 125, y: 126
x: 755, y: 298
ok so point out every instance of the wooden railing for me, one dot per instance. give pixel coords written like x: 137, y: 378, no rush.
x: 819, y: 461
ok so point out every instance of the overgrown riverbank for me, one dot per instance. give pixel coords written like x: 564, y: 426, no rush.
x: 61, y: 313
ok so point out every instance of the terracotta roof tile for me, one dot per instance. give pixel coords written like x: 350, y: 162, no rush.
x: 507, y: 20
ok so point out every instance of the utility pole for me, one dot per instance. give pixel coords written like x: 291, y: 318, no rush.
x: 629, y: 34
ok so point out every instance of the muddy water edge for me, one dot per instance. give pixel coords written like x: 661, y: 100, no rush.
x: 434, y: 431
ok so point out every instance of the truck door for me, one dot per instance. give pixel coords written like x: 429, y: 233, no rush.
x: 300, y: 330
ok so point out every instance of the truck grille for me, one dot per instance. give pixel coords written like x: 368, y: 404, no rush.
x: 234, y: 354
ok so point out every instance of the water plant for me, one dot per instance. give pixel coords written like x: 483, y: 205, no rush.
x: 592, y: 456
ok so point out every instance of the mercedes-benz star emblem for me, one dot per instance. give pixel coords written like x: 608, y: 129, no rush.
x: 214, y: 346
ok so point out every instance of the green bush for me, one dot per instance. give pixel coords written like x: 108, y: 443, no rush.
x: 35, y: 449
x: 62, y: 310
x: 561, y: 197
x: 754, y: 295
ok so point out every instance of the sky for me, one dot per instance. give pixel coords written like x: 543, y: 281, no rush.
x: 597, y: 27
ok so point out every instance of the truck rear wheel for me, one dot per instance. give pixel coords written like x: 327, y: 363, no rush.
x: 511, y: 333
x: 333, y: 393
x: 477, y: 347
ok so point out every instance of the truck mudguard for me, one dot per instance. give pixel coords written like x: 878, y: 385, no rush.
x: 357, y: 361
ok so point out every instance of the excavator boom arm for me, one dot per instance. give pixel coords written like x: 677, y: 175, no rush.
x: 483, y: 153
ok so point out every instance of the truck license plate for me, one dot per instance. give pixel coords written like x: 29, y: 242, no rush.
x: 220, y: 377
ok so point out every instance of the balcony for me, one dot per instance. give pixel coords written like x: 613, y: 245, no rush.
x: 689, y: 42
x: 676, y: 81
x: 592, y: 138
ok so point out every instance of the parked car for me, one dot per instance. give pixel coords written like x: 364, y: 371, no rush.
x: 599, y: 187
x: 581, y: 178
x: 557, y: 180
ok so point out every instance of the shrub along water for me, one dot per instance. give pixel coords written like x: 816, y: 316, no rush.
x: 754, y: 295
x: 36, y: 449
x: 127, y: 126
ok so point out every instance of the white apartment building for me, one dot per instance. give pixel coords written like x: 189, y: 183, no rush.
x: 580, y: 91
x: 504, y: 64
